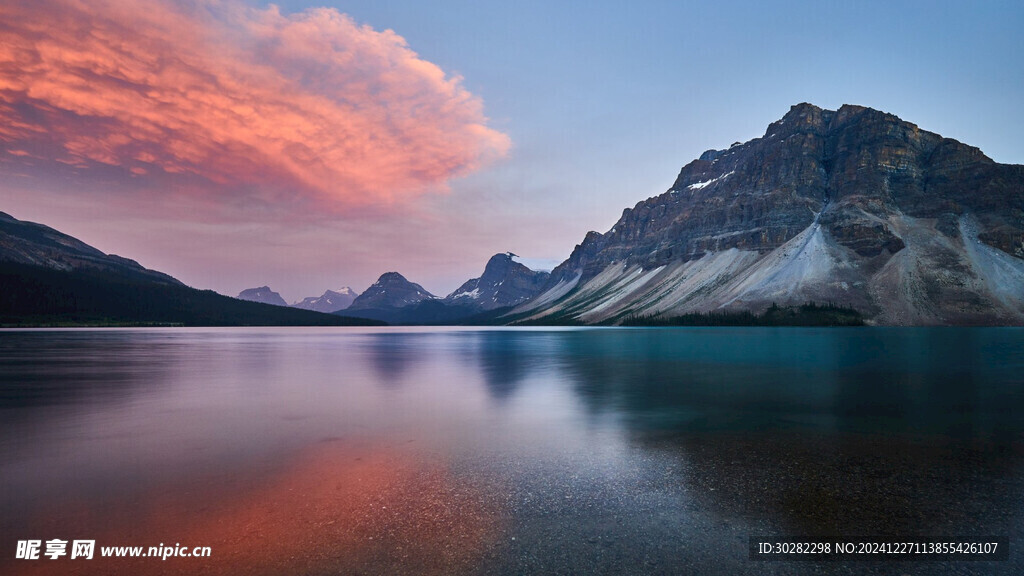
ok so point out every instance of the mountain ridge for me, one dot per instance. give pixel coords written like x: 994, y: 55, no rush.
x: 391, y: 290
x: 853, y: 206
x: 504, y: 283
x: 263, y: 295
x: 329, y: 302
x: 48, y: 278
x: 35, y: 244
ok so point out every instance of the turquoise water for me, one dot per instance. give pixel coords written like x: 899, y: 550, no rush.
x: 509, y: 450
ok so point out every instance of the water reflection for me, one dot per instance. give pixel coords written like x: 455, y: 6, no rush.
x: 333, y: 508
x: 862, y: 432
x: 504, y: 361
x: 507, y: 451
x: 40, y: 370
x: 393, y: 356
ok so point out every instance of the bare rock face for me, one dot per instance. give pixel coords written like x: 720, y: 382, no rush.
x: 391, y: 290
x: 263, y: 295
x: 329, y: 301
x: 853, y: 206
x: 504, y: 283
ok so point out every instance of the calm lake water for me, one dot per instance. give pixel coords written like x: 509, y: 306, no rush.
x: 507, y: 451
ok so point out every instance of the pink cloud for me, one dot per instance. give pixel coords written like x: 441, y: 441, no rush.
x: 304, y: 106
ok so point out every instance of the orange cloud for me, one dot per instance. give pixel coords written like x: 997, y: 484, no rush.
x: 303, y: 105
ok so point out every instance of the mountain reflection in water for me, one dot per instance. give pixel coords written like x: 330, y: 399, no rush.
x: 506, y: 451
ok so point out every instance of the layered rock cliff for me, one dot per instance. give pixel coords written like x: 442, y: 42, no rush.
x: 504, y: 282
x: 853, y: 206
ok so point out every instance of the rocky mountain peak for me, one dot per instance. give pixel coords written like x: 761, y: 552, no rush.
x: 504, y: 282
x: 804, y: 117
x: 263, y: 294
x: 499, y: 261
x: 391, y: 277
x: 329, y: 301
x: 501, y: 265
x: 391, y: 290
x: 877, y: 196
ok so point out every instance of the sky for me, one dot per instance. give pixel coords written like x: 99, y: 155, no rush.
x: 309, y: 145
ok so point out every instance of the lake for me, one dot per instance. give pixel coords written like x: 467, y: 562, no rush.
x: 508, y: 451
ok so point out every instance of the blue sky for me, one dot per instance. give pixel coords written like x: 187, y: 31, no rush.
x: 603, y: 103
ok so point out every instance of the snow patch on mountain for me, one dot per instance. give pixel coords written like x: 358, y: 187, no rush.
x: 473, y: 294
x: 706, y: 183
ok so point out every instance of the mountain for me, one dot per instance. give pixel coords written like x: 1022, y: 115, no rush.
x: 50, y: 278
x: 263, y: 295
x: 34, y: 244
x: 504, y: 283
x: 390, y: 291
x: 330, y: 301
x: 854, y: 207
x: 395, y: 300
